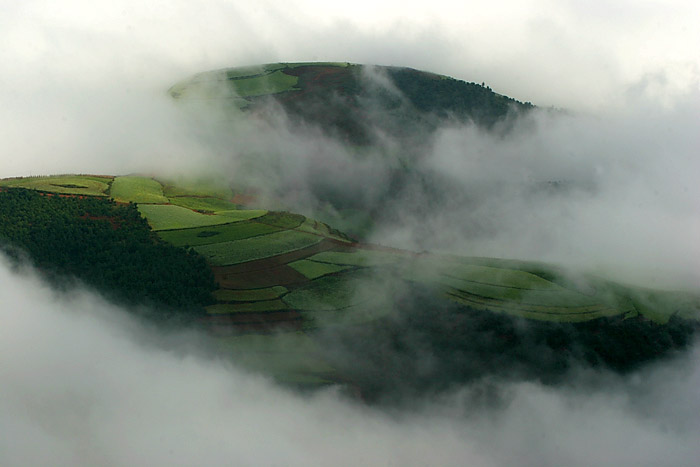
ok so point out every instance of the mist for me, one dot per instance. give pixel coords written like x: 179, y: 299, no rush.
x: 611, y: 194
x: 84, y: 89
x: 84, y: 383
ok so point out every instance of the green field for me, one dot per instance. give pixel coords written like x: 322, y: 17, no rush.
x: 361, y: 258
x: 137, y: 190
x: 299, y: 64
x: 555, y: 297
x: 239, y: 251
x: 252, y: 71
x: 329, y: 293
x: 261, y: 85
x: 319, y: 228
x: 64, y: 184
x: 196, y: 188
x: 491, y: 275
x: 168, y: 217
x: 250, y: 295
x: 217, y: 234
x: 210, y: 205
x: 261, y: 306
x: 282, y: 219
x: 538, y: 312
x: 313, y: 269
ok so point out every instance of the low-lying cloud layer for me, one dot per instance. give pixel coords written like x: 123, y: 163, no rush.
x: 614, y: 194
x: 85, y: 384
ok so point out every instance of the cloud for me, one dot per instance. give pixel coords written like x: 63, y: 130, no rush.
x: 612, y: 193
x: 83, y: 83
x: 85, y: 384
x: 83, y: 90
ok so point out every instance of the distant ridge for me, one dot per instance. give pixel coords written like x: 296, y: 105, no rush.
x: 353, y: 100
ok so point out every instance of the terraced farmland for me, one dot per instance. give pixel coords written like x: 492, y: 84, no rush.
x: 137, y: 190
x: 63, y: 184
x: 171, y: 217
x: 243, y: 82
x: 203, y: 204
x: 218, y: 233
x: 283, y: 272
x: 249, y: 249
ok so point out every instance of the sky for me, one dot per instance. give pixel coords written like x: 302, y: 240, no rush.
x: 76, y: 75
x: 83, y: 89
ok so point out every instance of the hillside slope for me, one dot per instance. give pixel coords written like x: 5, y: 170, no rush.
x: 355, y: 102
x: 360, y: 136
x: 340, y: 310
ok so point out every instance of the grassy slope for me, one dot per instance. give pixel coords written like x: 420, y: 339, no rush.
x: 218, y: 234
x: 526, y: 289
x: 170, y: 217
x: 239, y: 251
x: 137, y: 190
x: 349, y: 286
x: 64, y: 184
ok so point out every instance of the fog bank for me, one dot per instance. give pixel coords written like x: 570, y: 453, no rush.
x: 85, y: 384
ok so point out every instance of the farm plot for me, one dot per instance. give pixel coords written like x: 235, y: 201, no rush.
x: 318, y: 64
x: 539, y: 312
x: 250, y: 295
x: 330, y: 293
x: 249, y: 249
x: 217, y: 234
x: 360, y: 258
x: 313, y: 269
x: 495, y: 276
x: 252, y: 71
x: 274, y: 275
x: 206, y: 204
x: 270, y: 83
x: 282, y: 219
x: 196, y: 188
x: 319, y: 228
x: 137, y: 190
x: 511, y: 291
x: 168, y: 217
x: 63, y: 184
x: 260, y: 306
x: 553, y: 297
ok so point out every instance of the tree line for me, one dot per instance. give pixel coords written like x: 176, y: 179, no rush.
x: 106, y: 245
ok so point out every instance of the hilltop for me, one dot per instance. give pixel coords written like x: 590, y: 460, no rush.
x: 352, y: 101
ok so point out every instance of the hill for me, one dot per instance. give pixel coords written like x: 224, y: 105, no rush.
x: 352, y: 101
x: 374, y: 124
x: 293, y: 296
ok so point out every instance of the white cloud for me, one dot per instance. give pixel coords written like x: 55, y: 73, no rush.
x: 84, y: 384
